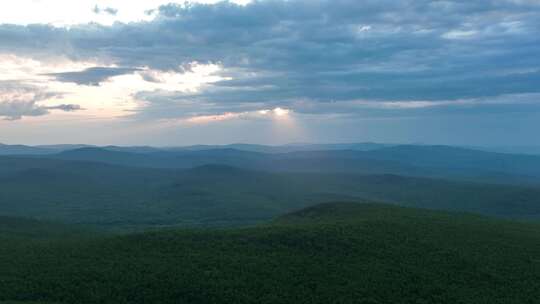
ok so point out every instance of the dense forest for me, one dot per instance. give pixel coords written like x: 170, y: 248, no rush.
x: 330, y: 253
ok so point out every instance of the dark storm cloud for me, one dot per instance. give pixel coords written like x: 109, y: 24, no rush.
x: 322, y: 52
x: 92, y: 76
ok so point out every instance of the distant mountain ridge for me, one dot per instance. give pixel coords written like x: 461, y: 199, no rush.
x: 413, y: 160
x: 23, y: 150
x: 361, y: 158
x: 50, y: 149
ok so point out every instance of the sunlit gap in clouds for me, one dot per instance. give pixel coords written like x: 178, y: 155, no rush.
x: 282, y: 122
x: 279, y: 115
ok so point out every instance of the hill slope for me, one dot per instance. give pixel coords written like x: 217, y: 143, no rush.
x: 335, y: 253
x: 467, y: 161
x: 106, y: 195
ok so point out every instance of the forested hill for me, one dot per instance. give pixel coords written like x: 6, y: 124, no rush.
x: 332, y: 253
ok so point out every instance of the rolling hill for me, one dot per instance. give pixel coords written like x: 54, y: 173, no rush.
x: 467, y: 160
x: 136, y: 197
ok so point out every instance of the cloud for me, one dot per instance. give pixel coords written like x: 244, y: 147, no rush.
x: 18, y: 100
x: 65, y: 107
x: 516, y: 102
x: 106, y: 10
x: 92, y: 76
x: 282, y: 53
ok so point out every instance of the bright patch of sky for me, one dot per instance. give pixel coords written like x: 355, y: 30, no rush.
x: 70, y: 12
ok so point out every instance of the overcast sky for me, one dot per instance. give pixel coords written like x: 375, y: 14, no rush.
x: 276, y: 71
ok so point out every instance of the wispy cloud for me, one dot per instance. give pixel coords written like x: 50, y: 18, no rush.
x: 18, y: 100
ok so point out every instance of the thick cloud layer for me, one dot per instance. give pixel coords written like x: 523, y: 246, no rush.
x: 323, y: 57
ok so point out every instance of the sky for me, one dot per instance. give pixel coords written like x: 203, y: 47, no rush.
x: 170, y: 73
